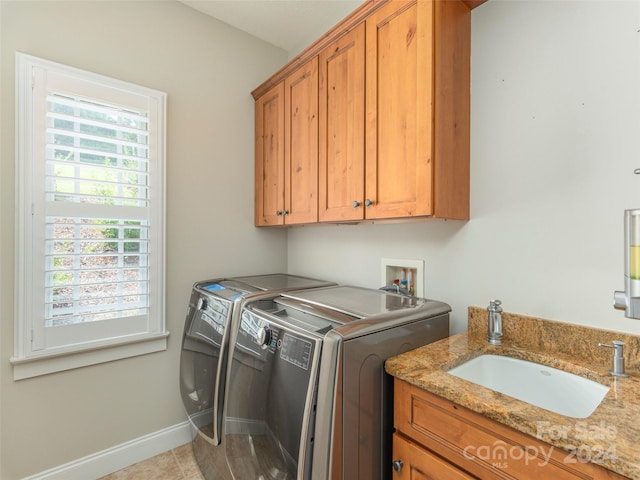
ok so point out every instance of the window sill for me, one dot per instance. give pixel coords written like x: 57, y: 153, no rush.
x: 51, y: 362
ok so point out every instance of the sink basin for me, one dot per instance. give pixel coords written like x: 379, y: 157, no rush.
x: 545, y: 387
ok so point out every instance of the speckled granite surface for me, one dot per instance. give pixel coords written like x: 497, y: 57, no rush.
x: 609, y: 437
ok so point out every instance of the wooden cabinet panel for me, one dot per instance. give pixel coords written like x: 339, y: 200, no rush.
x: 269, y: 167
x: 480, y: 446
x: 400, y: 104
x: 452, y: 113
x: 301, y: 145
x: 341, y: 160
x: 418, y: 57
x: 286, y: 142
x: 420, y: 464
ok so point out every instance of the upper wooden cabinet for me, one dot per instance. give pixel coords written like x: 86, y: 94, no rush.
x: 417, y: 160
x: 392, y: 137
x: 342, y: 116
x: 269, y: 169
x: 286, y: 136
x: 301, y: 145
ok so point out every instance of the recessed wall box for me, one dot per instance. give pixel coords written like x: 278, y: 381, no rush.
x: 409, y: 271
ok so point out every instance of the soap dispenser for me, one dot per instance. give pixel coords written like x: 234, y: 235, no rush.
x: 629, y: 300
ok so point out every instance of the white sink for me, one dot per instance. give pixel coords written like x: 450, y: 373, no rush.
x: 545, y: 387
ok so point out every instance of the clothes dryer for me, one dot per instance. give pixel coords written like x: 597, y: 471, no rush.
x: 307, y: 393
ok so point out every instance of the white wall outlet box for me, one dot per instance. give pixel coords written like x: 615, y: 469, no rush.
x: 412, y: 271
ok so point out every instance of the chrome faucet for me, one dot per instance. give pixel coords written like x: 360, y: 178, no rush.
x: 494, y: 322
x: 618, y: 358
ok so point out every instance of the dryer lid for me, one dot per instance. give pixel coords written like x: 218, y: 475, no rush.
x: 356, y: 301
x: 280, y: 281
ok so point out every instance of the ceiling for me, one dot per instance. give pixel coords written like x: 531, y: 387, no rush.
x: 289, y: 24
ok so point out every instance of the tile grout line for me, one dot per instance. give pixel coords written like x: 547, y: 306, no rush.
x: 175, y: 459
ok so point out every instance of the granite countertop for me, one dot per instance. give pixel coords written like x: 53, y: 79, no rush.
x: 610, y: 437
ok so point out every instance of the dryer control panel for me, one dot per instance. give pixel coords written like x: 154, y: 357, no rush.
x: 296, y: 351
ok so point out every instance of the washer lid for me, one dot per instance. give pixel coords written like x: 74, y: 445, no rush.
x: 356, y: 301
x: 224, y: 288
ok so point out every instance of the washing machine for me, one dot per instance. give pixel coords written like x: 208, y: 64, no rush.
x: 307, y: 394
x: 203, y: 360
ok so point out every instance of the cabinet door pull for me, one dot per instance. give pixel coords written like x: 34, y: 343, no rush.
x: 397, y: 465
x: 356, y: 204
x: 278, y: 213
x: 368, y: 203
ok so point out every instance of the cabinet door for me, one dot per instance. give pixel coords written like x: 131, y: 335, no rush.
x: 420, y: 464
x: 400, y: 109
x: 301, y: 145
x: 269, y: 168
x: 341, y: 163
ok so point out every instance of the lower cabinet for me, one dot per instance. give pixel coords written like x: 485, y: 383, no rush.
x: 438, y: 439
x: 416, y: 463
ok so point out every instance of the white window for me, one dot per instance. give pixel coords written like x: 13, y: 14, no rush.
x: 90, y: 221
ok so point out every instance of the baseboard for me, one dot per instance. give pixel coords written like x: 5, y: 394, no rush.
x: 116, y: 458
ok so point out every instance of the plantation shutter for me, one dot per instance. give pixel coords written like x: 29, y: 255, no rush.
x: 96, y: 199
x: 94, y: 184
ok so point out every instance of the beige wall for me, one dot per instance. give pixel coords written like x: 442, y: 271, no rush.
x: 555, y: 138
x: 208, y: 70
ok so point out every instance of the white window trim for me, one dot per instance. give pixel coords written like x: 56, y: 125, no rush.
x: 26, y: 361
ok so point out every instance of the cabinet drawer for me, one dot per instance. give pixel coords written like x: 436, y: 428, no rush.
x: 421, y: 464
x: 481, y: 446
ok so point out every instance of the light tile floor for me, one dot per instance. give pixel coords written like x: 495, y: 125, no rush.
x: 176, y: 464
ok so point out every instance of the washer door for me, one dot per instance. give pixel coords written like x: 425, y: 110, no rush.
x: 202, y: 361
x: 270, y: 402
